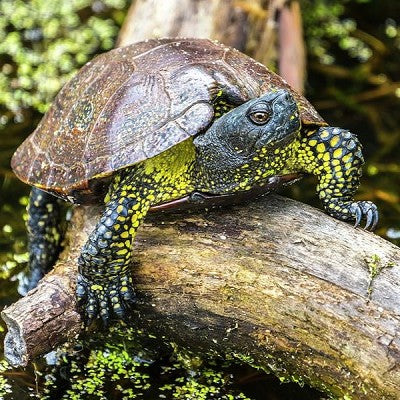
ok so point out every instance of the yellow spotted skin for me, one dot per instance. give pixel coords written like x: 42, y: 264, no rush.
x: 262, y: 164
x: 334, y: 156
x: 221, y: 106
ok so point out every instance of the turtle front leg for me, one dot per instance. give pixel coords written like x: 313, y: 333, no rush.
x: 104, y: 285
x: 334, y: 156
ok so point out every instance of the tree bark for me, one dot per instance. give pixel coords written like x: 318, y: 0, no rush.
x: 277, y: 283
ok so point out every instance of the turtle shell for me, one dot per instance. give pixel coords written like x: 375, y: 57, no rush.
x: 132, y: 103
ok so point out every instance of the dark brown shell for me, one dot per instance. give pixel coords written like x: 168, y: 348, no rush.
x: 131, y: 104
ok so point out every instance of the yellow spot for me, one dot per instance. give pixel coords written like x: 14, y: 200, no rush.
x: 347, y: 157
x: 125, y: 235
x: 320, y: 147
x: 122, y: 252
x: 310, y: 132
x: 334, y: 141
x: 96, y: 287
x: 120, y: 209
x: 326, y: 156
x: 107, y: 198
x: 312, y: 142
x: 338, y: 153
x: 324, y: 134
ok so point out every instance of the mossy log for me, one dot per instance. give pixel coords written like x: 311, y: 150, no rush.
x: 275, y: 282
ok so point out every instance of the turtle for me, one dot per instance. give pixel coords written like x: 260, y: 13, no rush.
x: 159, y: 120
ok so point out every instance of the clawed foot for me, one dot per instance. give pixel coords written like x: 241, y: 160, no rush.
x: 356, y: 210
x: 367, y: 210
x: 105, y: 299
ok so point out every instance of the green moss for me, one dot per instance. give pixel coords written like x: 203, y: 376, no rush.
x: 43, y: 43
x: 131, y: 364
x: 375, y: 267
x: 114, y: 364
x: 5, y: 386
x: 204, y: 385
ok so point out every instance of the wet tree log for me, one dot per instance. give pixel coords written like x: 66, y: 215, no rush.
x: 275, y: 282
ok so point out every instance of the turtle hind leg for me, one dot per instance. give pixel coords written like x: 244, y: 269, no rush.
x: 44, y: 236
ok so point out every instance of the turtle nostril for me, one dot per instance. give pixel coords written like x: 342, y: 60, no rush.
x: 286, y: 96
x: 283, y: 95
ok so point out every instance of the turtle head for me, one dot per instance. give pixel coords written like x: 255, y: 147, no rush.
x: 273, y: 117
x: 248, y: 135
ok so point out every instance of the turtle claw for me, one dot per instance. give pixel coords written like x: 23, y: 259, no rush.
x: 365, y: 209
x: 358, y: 214
x: 372, y: 219
x: 105, y: 300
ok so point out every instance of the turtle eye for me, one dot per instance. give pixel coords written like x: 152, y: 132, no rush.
x: 259, y: 117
